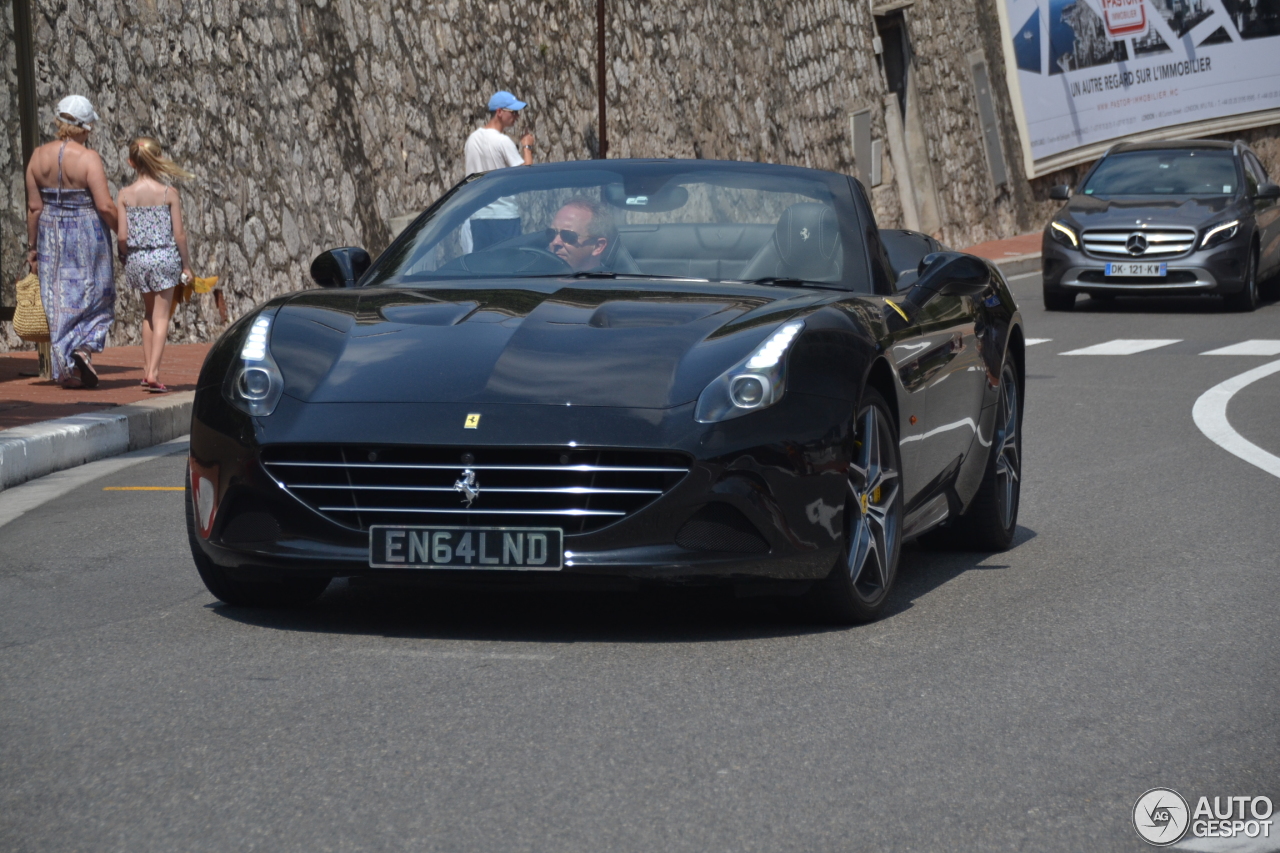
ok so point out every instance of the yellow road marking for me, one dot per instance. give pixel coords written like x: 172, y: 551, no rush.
x: 143, y: 488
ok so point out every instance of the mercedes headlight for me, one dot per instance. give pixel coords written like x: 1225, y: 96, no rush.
x: 254, y: 383
x: 1220, y: 233
x: 754, y: 383
x: 1064, y: 234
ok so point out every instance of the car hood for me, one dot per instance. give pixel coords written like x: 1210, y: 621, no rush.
x: 1093, y: 212
x: 652, y: 345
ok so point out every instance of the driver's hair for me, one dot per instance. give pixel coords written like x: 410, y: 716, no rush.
x: 602, y: 223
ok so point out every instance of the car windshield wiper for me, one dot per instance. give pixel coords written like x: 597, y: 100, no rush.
x: 783, y: 281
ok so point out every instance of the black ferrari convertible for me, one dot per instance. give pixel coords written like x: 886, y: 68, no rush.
x: 612, y: 372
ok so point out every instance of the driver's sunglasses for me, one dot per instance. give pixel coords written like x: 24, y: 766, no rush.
x: 569, y: 238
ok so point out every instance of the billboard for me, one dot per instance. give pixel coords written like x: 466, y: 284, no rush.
x: 1085, y: 73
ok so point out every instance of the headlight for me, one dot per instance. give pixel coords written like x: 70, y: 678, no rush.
x: 752, y: 384
x: 254, y: 384
x: 1220, y: 233
x: 1064, y: 234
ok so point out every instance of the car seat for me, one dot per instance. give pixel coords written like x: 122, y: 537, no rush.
x: 805, y: 245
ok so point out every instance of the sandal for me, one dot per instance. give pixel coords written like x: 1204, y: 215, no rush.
x: 88, y: 376
x: 157, y: 387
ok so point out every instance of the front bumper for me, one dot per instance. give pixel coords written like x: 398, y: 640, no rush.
x: 1217, y: 270
x: 784, y: 469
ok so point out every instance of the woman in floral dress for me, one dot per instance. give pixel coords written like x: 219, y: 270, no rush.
x: 69, y: 219
x: 153, y: 242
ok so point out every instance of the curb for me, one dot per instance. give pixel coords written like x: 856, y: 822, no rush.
x: 32, y: 451
x: 1020, y: 264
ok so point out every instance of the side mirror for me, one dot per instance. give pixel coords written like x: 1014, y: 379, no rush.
x: 1268, y: 190
x: 340, y: 267
x: 949, y: 274
x: 1061, y: 192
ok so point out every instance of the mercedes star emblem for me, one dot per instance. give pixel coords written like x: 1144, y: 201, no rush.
x: 1136, y: 244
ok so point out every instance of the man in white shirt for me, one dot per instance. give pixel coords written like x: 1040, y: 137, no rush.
x: 490, y: 148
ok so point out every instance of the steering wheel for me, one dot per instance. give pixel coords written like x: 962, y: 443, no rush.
x: 529, y: 260
x: 542, y: 260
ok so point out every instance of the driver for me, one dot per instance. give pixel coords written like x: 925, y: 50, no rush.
x: 581, y: 234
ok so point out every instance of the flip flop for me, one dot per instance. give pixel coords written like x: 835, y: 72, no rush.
x: 157, y: 387
x: 88, y: 376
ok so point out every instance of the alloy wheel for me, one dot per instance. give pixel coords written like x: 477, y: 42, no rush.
x: 1008, y: 450
x: 875, y: 516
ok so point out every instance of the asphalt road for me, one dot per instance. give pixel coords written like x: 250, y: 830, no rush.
x: 1016, y: 701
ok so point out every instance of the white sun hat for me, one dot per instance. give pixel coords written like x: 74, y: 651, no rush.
x: 76, y: 109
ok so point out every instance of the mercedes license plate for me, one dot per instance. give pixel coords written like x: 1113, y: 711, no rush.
x: 527, y: 549
x: 1136, y: 270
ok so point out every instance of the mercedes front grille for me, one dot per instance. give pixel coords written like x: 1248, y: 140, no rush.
x: 576, y: 489
x: 1141, y: 243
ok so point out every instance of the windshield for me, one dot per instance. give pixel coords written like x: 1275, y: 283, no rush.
x: 1173, y: 172
x: 676, y: 219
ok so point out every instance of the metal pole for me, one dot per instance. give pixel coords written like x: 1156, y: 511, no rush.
x: 28, y: 115
x: 28, y: 123
x: 600, y: 73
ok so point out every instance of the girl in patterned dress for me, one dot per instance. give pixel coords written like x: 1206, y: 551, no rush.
x: 70, y: 217
x: 154, y: 246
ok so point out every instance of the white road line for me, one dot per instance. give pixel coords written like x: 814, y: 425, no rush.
x: 1124, y: 346
x: 1210, y: 415
x: 20, y: 499
x: 1267, y: 348
x: 1033, y: 341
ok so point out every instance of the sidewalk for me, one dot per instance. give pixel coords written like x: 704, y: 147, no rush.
x: 44, y: 428
x: 26, y: 399
x: 1016, y: 256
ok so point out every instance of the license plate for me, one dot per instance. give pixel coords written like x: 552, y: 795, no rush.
x: 509, y: 549
x: 1135, y: 270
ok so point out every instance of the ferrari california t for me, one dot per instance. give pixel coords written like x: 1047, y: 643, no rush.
x: 636, y: 371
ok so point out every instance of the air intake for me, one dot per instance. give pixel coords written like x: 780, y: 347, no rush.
x: 721, y: 527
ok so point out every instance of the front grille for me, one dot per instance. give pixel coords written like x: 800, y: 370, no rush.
x: 1174, y: 277
x: 1161, y: 243
x: 579, y: 490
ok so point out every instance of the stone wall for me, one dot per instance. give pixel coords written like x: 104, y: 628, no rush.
x: 314, y: 123
x: 13, y: 199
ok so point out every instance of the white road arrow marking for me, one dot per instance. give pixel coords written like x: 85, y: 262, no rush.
x: 1210, y: 415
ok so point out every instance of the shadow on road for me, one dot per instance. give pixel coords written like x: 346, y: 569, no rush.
x: 658, y: 614
x: 926, y: 567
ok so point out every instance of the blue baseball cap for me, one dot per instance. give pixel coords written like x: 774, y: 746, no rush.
x: 505, y: 101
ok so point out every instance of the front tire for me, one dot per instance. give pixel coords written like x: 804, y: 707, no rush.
x: 286, y: 593
x: 1247, y: 299
x: 992, y: 518
x: 1057, y: 300
x: 859, y: 584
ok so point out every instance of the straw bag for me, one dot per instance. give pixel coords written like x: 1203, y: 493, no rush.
x: 29, y: 319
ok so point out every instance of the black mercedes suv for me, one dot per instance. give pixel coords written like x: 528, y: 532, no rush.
x: 1163, y: 218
